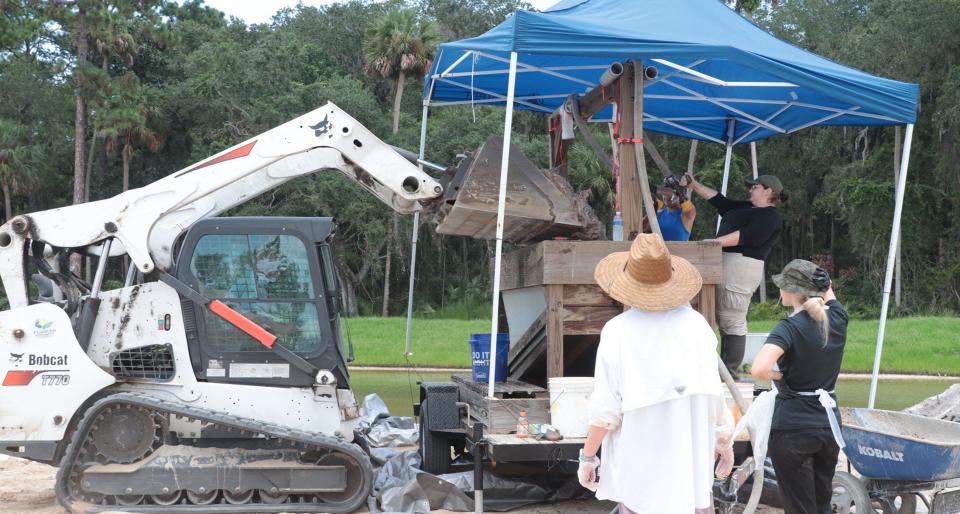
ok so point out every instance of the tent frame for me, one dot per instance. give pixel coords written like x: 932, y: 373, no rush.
x: 686, y: 71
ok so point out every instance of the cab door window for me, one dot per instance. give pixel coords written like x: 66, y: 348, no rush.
x: 267, y: 279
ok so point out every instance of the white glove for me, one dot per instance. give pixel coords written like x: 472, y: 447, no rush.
x: 724, y: 450
x: 587, y: 472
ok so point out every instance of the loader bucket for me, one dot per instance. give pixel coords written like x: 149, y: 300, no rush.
x: 539, y: 204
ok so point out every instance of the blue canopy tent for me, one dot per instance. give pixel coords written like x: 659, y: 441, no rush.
x: 722, y: 79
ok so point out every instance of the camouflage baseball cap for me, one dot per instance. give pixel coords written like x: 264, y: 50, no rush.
x: 768, y: 181
x: 803, y: 277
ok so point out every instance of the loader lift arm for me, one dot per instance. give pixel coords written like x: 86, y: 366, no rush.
x: 145, y: 222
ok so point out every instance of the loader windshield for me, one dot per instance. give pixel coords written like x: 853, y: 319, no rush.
x: 265, y: 277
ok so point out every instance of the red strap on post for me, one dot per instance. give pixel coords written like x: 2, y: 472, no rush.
x: 637, y: 140
x: 243, y: 323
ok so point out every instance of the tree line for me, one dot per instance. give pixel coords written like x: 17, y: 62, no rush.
x: 98, y: 96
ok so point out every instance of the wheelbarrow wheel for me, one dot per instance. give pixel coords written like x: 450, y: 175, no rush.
x: 849, y: 495
x: 901, y: 504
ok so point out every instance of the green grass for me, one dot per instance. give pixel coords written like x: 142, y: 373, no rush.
x: 926, y: 345
x: 435, y: 342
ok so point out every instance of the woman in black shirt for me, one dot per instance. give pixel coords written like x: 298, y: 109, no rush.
x: 748, y: 230
x: 807, y: 348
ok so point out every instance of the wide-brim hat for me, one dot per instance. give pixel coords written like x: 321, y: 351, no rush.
x: 648, y: 277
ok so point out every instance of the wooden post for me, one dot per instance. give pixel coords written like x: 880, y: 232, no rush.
x: 554, y: 330
x: 708, y: 303
x: 630, y: 186
x: 657, y: 158
x: 558, y: 147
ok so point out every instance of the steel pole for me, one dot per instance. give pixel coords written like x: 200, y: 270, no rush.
x: 753, y: 163
x: 416, y: 233
x: 477, y: 451
x: 726, y: 163
x: 891, y: 259
x: 501, y: 213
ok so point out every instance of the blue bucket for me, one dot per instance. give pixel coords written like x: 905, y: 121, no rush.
x: 480, y: 349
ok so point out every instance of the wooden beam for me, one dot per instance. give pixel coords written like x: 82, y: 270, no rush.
x: 708, y: 304
x: 558, y: 146
x: 522, y: 268
x: 597, y: 99
x: 573, y: 262
x: 554, y: 331
x: 630, y: 187
x: 657, y: 158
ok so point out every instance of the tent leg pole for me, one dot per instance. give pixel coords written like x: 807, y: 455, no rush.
x: 413, y: 244
x: 891, y: 257
x: 731, y: 130
x: 692, y: 156
x: 897, y: 283
x: 753, y: 162
x: 501, y: 213
x: 726, y: 176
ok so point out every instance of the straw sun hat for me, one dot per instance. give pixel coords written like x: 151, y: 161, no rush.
x: 648, y: 277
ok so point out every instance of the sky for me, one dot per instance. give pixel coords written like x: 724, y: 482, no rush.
x: 260, y: 11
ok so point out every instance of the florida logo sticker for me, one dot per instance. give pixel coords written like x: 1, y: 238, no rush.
x: 43, y: 328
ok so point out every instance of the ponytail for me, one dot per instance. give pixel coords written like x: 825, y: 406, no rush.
x: 818, y: 312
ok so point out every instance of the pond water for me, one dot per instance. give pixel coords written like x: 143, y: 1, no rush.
x: 399, y: 389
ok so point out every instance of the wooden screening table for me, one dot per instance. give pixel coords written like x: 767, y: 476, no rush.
x: 561, y: 273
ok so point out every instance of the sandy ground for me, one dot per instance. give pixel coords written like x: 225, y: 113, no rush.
x: 27, y: 488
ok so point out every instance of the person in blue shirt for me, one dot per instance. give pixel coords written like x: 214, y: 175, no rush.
x: 675, y: 212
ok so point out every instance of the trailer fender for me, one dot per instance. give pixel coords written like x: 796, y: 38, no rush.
x: 443, y: 398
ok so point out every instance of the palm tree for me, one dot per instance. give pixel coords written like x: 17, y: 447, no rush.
x: 15, y: 163
x: 124, y: 126
x: 399, y: 43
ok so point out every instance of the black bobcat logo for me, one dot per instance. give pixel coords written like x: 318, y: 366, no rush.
x: 323, y: 127
x: 16, y: 358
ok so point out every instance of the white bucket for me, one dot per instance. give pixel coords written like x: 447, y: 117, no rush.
x: 569, y: 397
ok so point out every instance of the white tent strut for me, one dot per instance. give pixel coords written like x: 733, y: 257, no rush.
x: 731, y: 130
x: 501, y: 213
x: 416, y: 231
x: 891, y: 258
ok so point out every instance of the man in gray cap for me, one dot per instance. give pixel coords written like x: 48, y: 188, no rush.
x: 748, y: 231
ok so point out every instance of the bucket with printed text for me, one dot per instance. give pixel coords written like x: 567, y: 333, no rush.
x: 480, y: 350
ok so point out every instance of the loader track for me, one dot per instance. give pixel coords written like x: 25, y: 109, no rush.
x: 336, y: 457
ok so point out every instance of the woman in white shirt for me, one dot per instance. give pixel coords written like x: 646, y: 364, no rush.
x: 657, y: 406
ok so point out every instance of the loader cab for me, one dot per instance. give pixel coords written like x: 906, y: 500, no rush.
x: 278, y: 272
